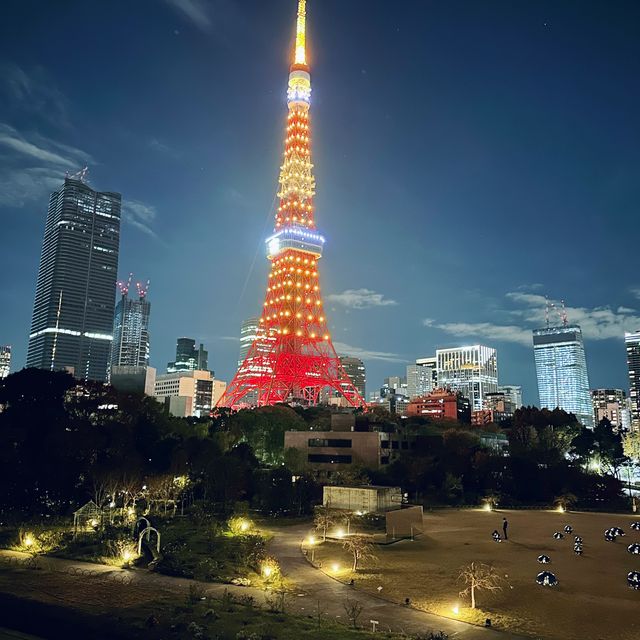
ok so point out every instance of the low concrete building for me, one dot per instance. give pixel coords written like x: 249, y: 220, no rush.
x: 329, y: 451
x: 365, y: 499
x: 187, y: 393
x: 129, y: 379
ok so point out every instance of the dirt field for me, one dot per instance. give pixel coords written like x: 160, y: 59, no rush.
x: 591, y: 602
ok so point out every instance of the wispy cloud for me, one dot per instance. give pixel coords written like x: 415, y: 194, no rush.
x: 360, y: 299
x: 195, y: 11
x: 635, y: 291
x: 140, y: 215
x: 33, y: 91
x: 366, y: 354
x: 597, y: 323
x: 33, y: 165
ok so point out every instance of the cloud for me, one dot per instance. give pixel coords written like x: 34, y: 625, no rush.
x: 360, y: 299
x: 597, y: 323
x: 365, y: 354
x: 33, y: 91
x: 635, y: 291
x: 33, y: 165
x: 195, y: 11
x: 140, y: 215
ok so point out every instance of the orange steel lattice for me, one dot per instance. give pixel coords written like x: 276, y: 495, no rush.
x: 292, y: 358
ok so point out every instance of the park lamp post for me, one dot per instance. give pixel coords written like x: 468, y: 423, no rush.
x: 311, y: 541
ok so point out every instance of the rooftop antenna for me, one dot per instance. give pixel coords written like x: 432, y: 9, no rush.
x: 559, y: 310
x: 78, y: 175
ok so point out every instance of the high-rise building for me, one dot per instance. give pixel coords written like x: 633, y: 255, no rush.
x: 420, y: 380
x: 130, y: 347
x: 430, y: 364
x: 188, y: 358
x: 72, y: 324
x: 472, y: 371
x: 293, y: 358
x: 248, y: 335
x: 513, y: 393
x: 632, y: 343
x: 612, y: 405
x: 561, y: 369
x: 355, y: 369
x: 186, y: 393
x: 5, y: 361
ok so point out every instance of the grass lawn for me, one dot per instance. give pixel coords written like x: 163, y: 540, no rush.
x: 592, y: 600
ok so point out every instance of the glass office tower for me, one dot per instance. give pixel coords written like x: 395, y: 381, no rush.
x: 632, y: 343
x: 561, y: 368
x: 131, y: 332
x: 72, y: 323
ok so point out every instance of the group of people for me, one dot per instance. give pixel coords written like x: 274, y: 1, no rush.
x: 496, y: 536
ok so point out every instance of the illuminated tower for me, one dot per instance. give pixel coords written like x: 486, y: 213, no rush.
x: 292, y: 358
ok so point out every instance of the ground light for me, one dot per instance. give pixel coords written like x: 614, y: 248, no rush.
x: 560, y: 509
x: 335, y: 567
x: 455, y: 609
x: 487, y: 506
x: 28, y: 540
x: 244, y: 526
x: 340, y: 533
x: 127, y: 556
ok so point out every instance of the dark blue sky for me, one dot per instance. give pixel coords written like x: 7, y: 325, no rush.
x: 471, y: 157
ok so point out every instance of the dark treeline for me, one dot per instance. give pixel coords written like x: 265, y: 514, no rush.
x: 63, y: 443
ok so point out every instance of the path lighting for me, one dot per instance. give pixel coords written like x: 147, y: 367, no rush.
x: 487, y: 506
x: 28, y: 540
x: 340, y: 533
x: 244, y: 526
x: 312, y: 540
x: 127, y: 555
x: 93, y: 522
x: 455, y: 609
x: 560, y: 509
x: 335, y: 567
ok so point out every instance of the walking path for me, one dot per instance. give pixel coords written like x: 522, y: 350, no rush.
x: 313, y: 589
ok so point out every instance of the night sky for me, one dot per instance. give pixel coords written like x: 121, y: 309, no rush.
x: 471, y: 158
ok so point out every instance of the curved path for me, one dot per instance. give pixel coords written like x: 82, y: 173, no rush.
x: 319, y: 587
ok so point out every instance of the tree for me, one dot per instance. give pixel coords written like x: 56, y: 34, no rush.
x: 360, y: 547
x: 478, y: 576
x: 353, y: 609
x: 631, y: 445
x: 324, y: 519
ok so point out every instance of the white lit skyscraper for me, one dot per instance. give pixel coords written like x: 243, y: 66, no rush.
x: 632, y: 343
x: 513, y: 393
x: 420, y: 380
x: 473, y: 371
x: 131, y: 330
x: 5, y: 361
x: 561, y: 368
x: 355, y: 369
x: 72, y: 322
x: 248, y: 334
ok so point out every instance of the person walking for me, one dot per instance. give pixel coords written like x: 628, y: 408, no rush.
x: 505, y: 525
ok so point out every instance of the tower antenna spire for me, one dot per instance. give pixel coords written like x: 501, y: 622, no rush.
x: 301, y: 34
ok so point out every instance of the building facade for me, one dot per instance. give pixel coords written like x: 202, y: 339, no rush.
x: 513, y: 393
x: 632, y: 344
x: 355, y: 369
x: 430, y: 363
x: 561, y: 369
x: 72, y: 322
x: 472, y: 371
x: 612, y: 405
x: 440, y: 404
x: 130, y: 347
x: 186, y: 394
x: 248, y: 335
x: 136, y: 380
x: 5, y: 360
x: 188, y: 358
x: 420, y: 380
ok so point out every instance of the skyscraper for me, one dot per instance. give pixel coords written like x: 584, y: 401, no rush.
x: 473, y: 371
x: 188, y: 358
x: 293, y: 358
x: 632, y: 343
x: 248, y: 334
x: 5, y: 361
x: 355, y: 369
x: 431, y: 364
x: 612, y: 405
x: 72, y: 323
x: 561, y: 369
x: 420, y: 380
x: 131, y: 329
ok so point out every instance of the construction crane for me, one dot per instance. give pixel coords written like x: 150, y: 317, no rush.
x: 125, y: 286
x: 143, y: 289
x: 78, y: 175
x: 560, y: 310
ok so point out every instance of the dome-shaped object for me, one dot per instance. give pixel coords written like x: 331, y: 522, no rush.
x: 558, y: 536
x: 609, y: 536
x: 617, y: 531
x: 577, y: 549
x: 568, y: 529
x: 578, y: 539
x: 634, y: 548
x: 633, y: 579
x: 546, y: 579
x: 544, y: 559
x: 635, y: 526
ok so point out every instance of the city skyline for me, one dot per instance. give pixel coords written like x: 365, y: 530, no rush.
x: 454, y: 144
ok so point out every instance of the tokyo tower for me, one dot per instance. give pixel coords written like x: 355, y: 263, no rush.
x: 292, y: 358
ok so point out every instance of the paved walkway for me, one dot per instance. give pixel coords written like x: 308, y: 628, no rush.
x: 313, y: 587
x: 332, y: 593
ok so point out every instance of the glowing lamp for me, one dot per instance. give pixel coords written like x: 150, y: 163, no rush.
x: 335, y: 567
x: 28, y: 541
x: 455, y: 609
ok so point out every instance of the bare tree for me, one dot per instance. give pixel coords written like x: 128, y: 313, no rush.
x: 105, y: 488
x: 361, y: 548
x: 324, y: 518
x: 478, y: 576
x: 353, y: 609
